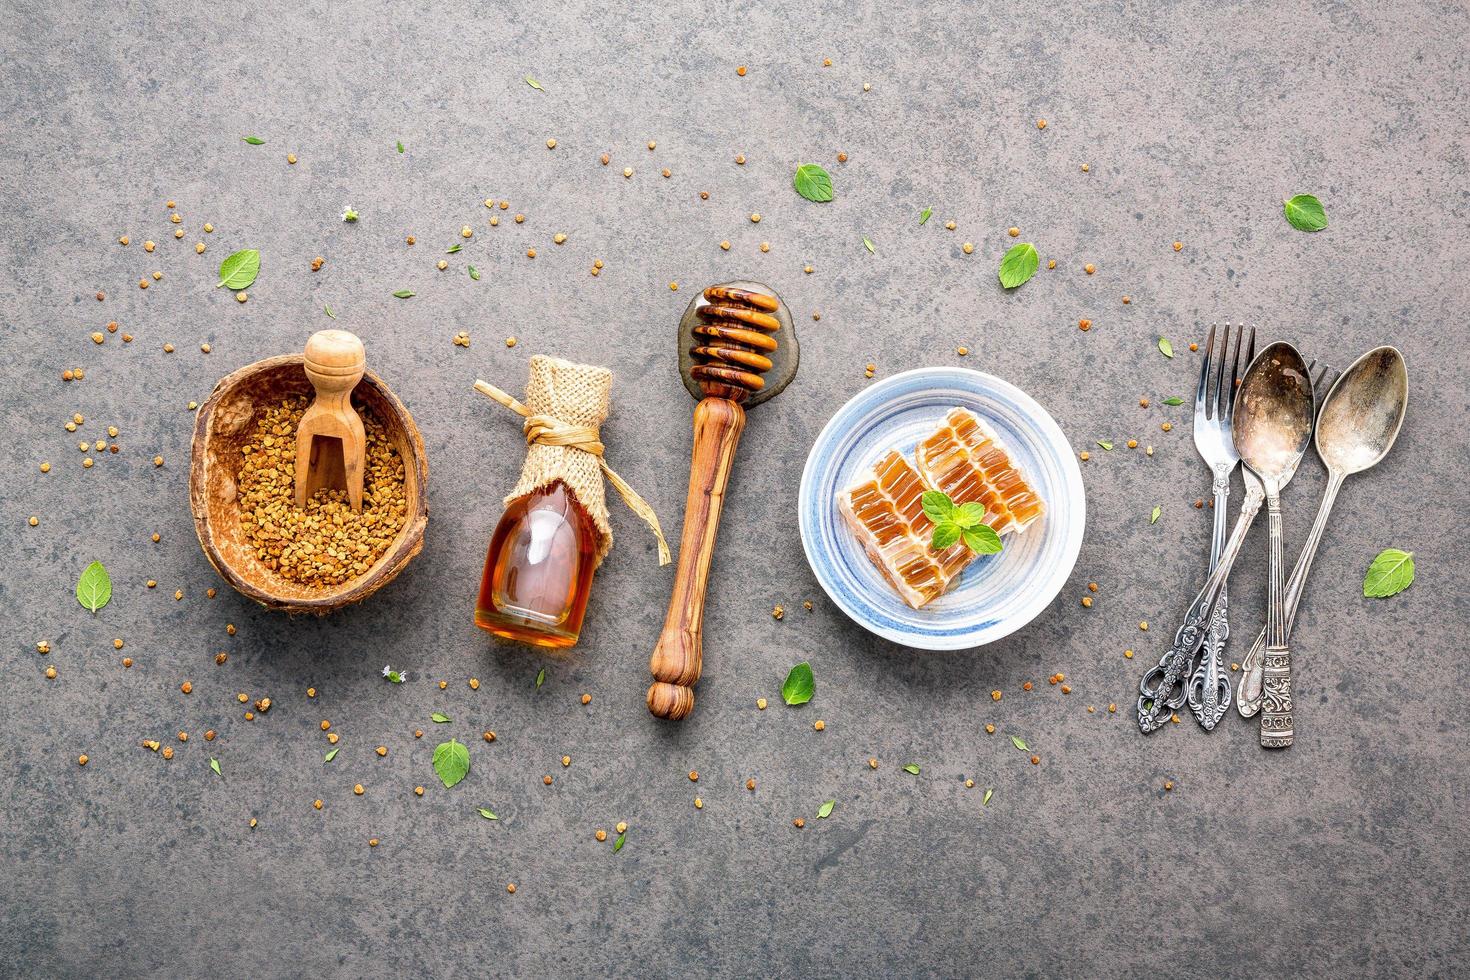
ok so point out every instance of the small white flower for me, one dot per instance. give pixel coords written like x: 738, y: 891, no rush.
x: 348, y: 214
x: 387, y: 669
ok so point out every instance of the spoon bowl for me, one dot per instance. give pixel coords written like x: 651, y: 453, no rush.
x: 1364, y: 411
x: 1273, y: 414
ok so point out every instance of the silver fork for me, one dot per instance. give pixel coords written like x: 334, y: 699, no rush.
x: 1248, y: 697
x: 1163, y: 688
x: 1208, y: 691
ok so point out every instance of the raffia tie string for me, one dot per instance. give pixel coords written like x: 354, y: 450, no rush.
x: 550, y: 431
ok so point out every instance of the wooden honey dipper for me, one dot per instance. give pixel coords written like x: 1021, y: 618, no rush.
x: 729, y: 336
x: 330, y: 442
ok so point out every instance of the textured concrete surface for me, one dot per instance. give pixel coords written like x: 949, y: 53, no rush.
x: 1346, y: 855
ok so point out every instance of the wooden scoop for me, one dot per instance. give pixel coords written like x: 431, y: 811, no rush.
x: 737, y: 349
x: 330, y: 442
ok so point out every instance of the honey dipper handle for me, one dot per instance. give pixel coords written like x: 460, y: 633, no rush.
x: 718, y: 423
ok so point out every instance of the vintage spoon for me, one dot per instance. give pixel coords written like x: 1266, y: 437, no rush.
x: 1272, y: 426
x: 1359, y: 422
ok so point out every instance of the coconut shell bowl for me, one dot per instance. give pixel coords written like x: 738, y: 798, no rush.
x: 226, y: 422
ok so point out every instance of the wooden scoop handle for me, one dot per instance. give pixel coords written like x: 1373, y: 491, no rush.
x: 676, y: 659
x: 334, y: 363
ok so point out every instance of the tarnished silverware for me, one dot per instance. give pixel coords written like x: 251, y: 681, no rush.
x: 1155, y: 701
x: 1208, y: 690
x: 1250, y: 667
x: 1273, y: 425
x: 1360, y: 419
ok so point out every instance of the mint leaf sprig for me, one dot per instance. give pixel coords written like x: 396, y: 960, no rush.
x: 963, y: 522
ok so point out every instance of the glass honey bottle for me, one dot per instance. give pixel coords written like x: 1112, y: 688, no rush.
x: 538, y: 572
x: 555, y: 530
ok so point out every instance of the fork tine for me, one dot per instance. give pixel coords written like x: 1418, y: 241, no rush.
x: 1217, y: 395
x: 1322, y: 377
x: 1237, y: 370
x: 1204, y: 375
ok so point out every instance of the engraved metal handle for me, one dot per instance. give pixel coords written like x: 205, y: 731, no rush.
x: 1248, y: 694
x: 1209, y: 687
x: 1276, y: 723
x: 1157, y: 691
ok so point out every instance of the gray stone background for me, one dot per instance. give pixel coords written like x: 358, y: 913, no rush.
x: 1344, y: 856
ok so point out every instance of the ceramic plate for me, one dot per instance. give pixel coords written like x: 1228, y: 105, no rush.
x: 997, y: 594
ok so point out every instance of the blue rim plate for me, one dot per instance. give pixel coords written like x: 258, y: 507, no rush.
x: 997, y: 594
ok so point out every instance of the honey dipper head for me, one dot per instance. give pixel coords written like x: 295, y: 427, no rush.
x: 737, y: 341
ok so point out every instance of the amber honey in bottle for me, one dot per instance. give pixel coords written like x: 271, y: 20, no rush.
x: 538, y: 573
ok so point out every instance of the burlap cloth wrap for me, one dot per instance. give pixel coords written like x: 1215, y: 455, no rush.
x: 575, y: 395
x: 566, y: 403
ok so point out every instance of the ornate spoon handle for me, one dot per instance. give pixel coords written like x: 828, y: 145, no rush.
x: 1276, y: 720
x: 1248, y: 695
x: 1155, y: 693
x: 1209, y: 687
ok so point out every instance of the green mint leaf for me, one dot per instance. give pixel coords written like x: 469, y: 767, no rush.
x: 618, y: 844
x: 474, y: 274
x: 94, y: 587
x: 989, y: 792
x: 403, y: 293
x: 1173, y: 400
x: 451, y: 762
x: 868, y: 244
x: 969, y: 515
x: 1019, y: 265
x: 453, y: 248
x: 1154, y: 517
x: 330, y: 756
x: 239, y: 270
x: 1391, y: 573
x: 813, y: 183
x: 400, y: 146
x: 252, y: 140
x: 1105, y: 444
x: 438, y: 717
x: 328, y: 311
x: 945, y: 535
x: 825, y: 810
x: 1305, y: 213
x: 214, y: 764
x: 1020, y: 743
x: 982, y: 539
x: 541, y: 677
x: 925, y: 215
x: 800, y: 685
x: 937, y: 505
x: 1166, y: 348
x: 911, y: 769
x: 534, y: 84
x: 488, y: 814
